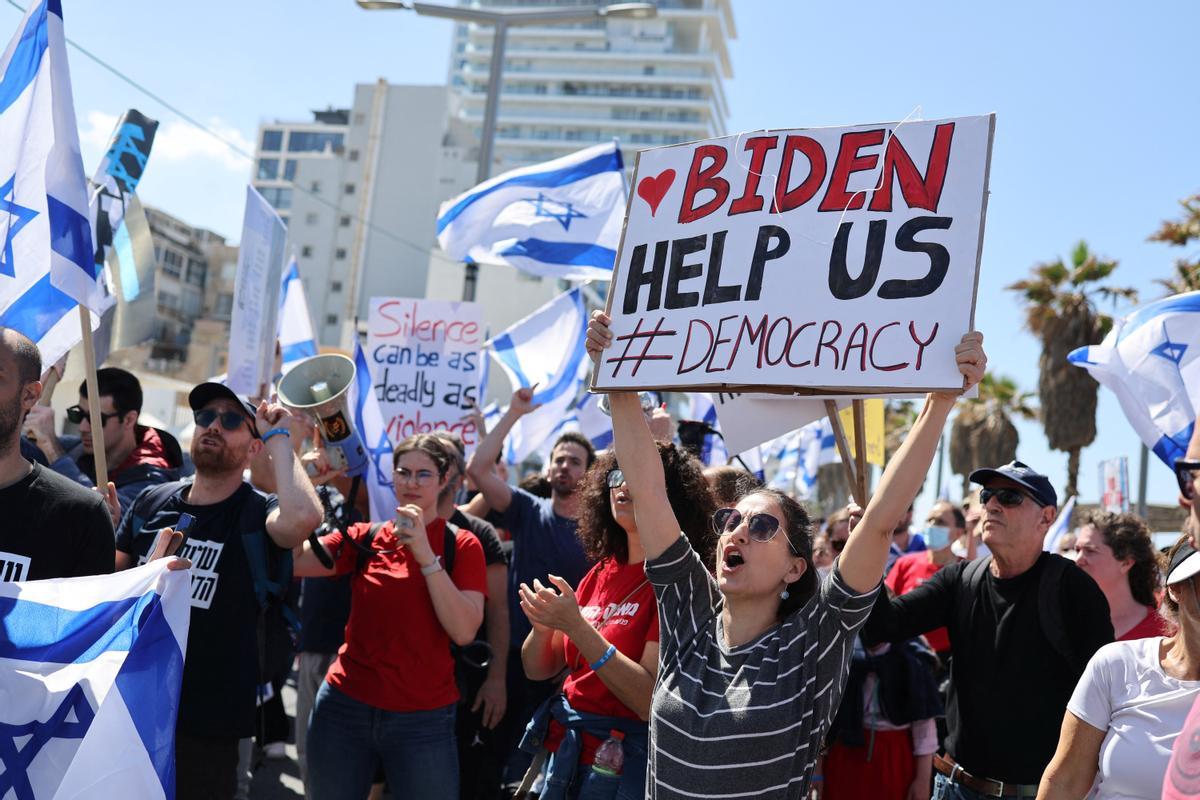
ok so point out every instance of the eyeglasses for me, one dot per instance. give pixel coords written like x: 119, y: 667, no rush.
x: 230, y: 420
x: 77, y: 414
x: 419, y: 477
x: 761, y: 527
x: 1009, y: 498
x: 1186, y: 472
x: 615, y: 479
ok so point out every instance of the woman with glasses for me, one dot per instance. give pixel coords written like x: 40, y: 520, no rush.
x: 605, y: 633
x: 752, y: 661
x: 417, y: 586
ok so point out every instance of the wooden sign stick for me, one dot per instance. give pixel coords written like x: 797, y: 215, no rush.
x: 93, y: 390
x: 860, y: 447
x: 839, y: 436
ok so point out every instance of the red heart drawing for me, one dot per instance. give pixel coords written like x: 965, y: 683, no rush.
x: 654, y: 189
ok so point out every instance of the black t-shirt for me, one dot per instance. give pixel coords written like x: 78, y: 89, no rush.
x: 220, y: 672
x: 1009, y: 686
x: 493, y: 548
x: 324, y: 610
x: 53, y: 528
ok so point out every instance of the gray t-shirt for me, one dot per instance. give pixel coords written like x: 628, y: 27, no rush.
x: 746, y: 721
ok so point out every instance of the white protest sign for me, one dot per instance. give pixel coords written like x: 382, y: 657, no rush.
x: 749, y: 419
x: 825, y: 261
x: 425, y: 359
x: 256, y: 297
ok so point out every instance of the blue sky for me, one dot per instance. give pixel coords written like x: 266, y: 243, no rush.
x: 1095, y: 103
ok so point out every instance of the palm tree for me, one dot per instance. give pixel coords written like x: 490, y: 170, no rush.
x: 1180, y: 233
x: 983, y: 434
x: 1061, y: 311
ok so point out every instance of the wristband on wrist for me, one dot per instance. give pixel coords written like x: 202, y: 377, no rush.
x: 816, y: 779
x: 600, y: 662
x: 276, y: 432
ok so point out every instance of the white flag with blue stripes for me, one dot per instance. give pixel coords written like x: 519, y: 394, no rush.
x: 547, y: 349
x: 712, y: 452
x: 368, y: 421
x: 1060, y: 528
x: 561, y: 219
x: 1151, y: 361
x: 296, y: 340
x: 90, y: 670
x: 47, y: 265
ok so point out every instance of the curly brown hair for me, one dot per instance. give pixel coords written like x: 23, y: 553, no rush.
x: 687, y: 492
x: 1128, y: 536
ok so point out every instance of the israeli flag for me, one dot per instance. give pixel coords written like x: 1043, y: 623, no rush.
x: 368, y: 420
x: 559, y: 219
x: 47, y: 264
x: 594, y: 423
x: 545, y: 349
x: 1151, y: 361
x: 1061, y: 527
x: 90, y: 670
x: 296, y: 340
x: 705, y: 410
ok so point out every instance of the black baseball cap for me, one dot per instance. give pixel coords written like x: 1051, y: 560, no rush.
x: 1039, y: 486
x: 1184, y: 564
x: 205, y: 393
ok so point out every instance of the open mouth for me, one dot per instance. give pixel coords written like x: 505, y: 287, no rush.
x: 733, y: 559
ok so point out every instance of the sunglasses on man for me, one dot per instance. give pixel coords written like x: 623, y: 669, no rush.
x: 1187, y: 470
x: 230, y: 420
x: 77, y: 414
x: 760, y: 527
x: 1009, y: 498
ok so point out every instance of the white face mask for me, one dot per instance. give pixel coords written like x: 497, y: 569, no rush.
x: 937, y: 537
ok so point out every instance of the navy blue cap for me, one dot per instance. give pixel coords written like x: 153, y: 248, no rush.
x: 1039, y: 486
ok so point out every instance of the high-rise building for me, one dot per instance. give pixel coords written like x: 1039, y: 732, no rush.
x: 648, y: 83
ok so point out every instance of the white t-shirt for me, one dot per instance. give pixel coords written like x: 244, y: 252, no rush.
x: 1125, y: 692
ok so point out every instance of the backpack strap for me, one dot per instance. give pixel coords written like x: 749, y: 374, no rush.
x: 270, y: 573
x: 363, y: 552
x: 449, y: 546
x: 1050, y: 611
x: 972, y: 579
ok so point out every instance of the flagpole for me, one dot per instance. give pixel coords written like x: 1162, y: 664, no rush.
x: 95, y: 416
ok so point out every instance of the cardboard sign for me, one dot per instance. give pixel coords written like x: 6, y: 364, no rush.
x: 425, y: 362
x: 252, y: 327
x: 814, y: 261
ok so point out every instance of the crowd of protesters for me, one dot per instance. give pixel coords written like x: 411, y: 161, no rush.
x: 627, y: 624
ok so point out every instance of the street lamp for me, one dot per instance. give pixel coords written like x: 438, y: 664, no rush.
x: 501, y: 19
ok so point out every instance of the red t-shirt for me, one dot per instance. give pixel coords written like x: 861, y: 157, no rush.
x: 617, y: 599
x: 397, y: 654
x: 1152, y: 624
x: 909, y: 572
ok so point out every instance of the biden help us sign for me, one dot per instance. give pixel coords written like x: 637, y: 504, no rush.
x: 822, y: 261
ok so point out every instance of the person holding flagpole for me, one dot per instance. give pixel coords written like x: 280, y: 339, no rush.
x: 753, y: 660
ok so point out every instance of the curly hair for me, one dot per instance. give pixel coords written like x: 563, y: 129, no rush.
x: 687, y: 492
x: 798, y: 527
x: 1128, y: 537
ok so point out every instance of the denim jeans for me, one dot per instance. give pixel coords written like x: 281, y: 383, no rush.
x: 346, y: 739
x: 945, y: 789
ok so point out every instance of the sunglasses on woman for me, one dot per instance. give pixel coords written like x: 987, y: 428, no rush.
x: 761, y: 527
x: 615, y: 479
x: 1009, y: 498
x: 1187, y: 470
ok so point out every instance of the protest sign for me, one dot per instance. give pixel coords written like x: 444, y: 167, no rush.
x: 252, y: 329
x: 1114, y: 484
x: 818, y: 261
x: 425, y: 363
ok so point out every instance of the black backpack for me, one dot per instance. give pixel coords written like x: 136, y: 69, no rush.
x: 1049, y: 602
x: 277, y: 624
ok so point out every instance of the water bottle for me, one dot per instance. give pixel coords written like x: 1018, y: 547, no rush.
x: 610, y: 756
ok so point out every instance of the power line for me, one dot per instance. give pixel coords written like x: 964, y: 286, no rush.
x: 188, y: 118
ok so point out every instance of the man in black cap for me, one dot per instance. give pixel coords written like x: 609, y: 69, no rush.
x: 1022, y: 623
x: 239, y: 537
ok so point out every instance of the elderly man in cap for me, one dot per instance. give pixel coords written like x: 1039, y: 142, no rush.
x: 238, y: 540
x: 1022, y: 623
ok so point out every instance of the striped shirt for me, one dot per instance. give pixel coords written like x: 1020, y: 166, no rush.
x: 745, y: 721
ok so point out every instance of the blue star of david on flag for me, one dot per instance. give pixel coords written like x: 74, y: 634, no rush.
x: 548, y: 207
x: 1171, y: 351
x: 18, y: 217
x: 16, y: 758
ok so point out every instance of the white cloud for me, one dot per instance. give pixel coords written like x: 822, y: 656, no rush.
x: 175, y: 141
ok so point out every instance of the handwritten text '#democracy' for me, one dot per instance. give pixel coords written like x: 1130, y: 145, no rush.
x: 760, y: 266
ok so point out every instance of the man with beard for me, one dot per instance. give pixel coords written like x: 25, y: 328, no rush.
x: 234, y: 526
x: 53, y: 528
x: 544, y: 543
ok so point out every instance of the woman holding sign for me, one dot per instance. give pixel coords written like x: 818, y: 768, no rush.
x: 418, y: 584
x: 752, y: 662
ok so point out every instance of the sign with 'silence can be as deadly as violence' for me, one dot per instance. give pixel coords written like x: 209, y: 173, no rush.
x: 813, y: 261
